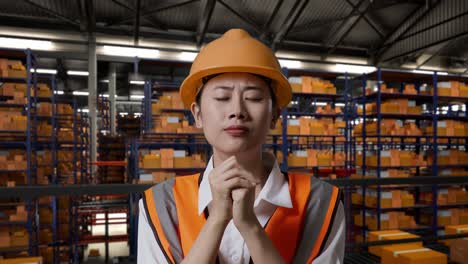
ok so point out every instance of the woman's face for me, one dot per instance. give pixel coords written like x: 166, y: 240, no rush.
x: 235, y: 112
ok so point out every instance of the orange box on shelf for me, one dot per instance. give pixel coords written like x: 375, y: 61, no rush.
x: 417, y: 256
x: 388, y: 257
x: 324, y: 158
x: 296, y: 87
x: 312, y: 157
x: 22, y: 260
x: 454, y: 230
x: 464, y: 90
x: 183, y: 162
x: 390, y: 235
x: 294, y: 130
x: 152, y: 161
x: 459, y: 251
x: 5, y: 239
x: 296, y: 161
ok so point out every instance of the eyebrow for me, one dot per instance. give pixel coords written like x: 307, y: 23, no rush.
x: 247, y: 88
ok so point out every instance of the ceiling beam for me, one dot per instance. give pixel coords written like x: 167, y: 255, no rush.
x: 206, y: 12
x: 150, y: 12
x: 54, y: 13
x: 266, y: 26
x: 289, y: 22
x: 90, y: 14
x: 348, y: 26
x: 376, y: 26
x: 81, y: 8
x: 409, y: 22
x: 439, y: 49
x: 136, y: 32
x: 462, y: 34
x: 155, y: 24
x: 242, y: 17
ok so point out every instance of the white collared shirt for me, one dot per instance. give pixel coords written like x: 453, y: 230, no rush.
x: 233, y: 248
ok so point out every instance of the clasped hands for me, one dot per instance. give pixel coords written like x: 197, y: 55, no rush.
x: 233, y: 191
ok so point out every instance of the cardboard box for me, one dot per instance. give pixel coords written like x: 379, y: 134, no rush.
x: 415, y: 256
x: 28, y: 260
x: 151, y: 161
x: 387, y: 252
x: 390, y: 235
x: 183, y: 162
x: 454, y: 230
x: 459, y: 251
x: 296, y: 161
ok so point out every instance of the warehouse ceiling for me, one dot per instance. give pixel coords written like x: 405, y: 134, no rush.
x: 390, y: 33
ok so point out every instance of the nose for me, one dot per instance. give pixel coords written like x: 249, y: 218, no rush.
x: 238, y: 110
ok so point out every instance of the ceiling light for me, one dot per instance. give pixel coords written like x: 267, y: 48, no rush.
x: 130, y: 52
x: 78, y: 73
x: 79, y: 93
x: 356, y: 69
x: 423, y: 72
x: 293, y: 64
x: 135, y: 96
x: 137, y: 82
x: 187, y: 56
x: 319, y: 103
x: 442, y: 73
x: 18, y: 43
x: 104, y: 81
x: 83, y: 110
x: 45, y: 71
x: 58, y: 92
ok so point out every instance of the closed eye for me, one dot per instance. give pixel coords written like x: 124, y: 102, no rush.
x: 255, y: 99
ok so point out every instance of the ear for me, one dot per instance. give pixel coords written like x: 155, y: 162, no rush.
x: 196, y: 112
x: 275, y: 118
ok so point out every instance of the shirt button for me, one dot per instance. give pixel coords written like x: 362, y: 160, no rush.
x: 235, y: 258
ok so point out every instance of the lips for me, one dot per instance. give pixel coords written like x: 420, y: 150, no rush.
x: 237, y: 130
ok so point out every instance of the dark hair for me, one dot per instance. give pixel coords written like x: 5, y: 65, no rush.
x: 267, y: 80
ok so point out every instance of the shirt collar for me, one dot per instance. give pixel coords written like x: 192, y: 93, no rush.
x: 275, y: 191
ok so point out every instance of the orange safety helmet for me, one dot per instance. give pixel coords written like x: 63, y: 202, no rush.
x: 236, y: 51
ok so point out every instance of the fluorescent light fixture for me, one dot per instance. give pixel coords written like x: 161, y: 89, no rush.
x: 45, y: 71
x: 137, y: 114
x: 423, y: 72
x: 19, y: 43
x: 442, y: 73
x: 137, y: 82
x: 356, y: 69
x: 340, y: 104
x: 104, y: 95
x: 79, y: 93
x: 58, y: 92
x: 83, y: 110
x: 130, y: 52
x: 78, y: 73
x: 104, y: 81
x: 110, y: 221
x: 319, y: 103
x: 123, y: 113
x: 136, y: 96
x: 187, y: 56
x: 293, y: 64
x: 117, y: 215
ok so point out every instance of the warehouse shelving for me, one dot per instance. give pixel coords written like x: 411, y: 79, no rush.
x: 305, y: 104
x: 431, y: 143
x: 11, y: 139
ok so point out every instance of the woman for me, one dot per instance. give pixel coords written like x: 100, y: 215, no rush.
x: 242, y: 208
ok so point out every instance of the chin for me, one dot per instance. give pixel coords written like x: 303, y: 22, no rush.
x: 236, y: 145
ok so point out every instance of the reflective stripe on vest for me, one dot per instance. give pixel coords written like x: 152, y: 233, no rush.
x: 172, y: 210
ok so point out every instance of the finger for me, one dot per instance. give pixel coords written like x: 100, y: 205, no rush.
x: 226, y: 165
x: 236, y: 183
x: 237, y: 172
x: 247, y: 175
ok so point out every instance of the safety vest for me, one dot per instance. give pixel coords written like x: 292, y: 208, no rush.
x: 298, y: 233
